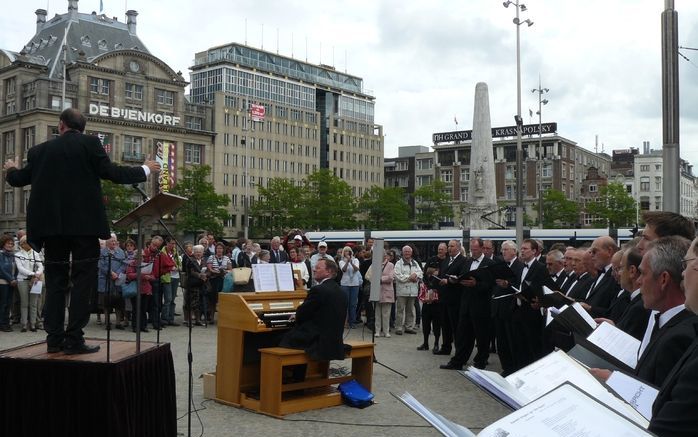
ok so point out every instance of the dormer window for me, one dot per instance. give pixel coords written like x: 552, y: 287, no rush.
x: 85, y: 40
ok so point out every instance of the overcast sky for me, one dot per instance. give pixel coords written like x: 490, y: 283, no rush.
x: 601, y: 59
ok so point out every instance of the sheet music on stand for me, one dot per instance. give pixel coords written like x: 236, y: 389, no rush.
x: 272, y: 277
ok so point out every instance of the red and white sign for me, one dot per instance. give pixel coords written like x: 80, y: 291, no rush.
x: 257, y: 112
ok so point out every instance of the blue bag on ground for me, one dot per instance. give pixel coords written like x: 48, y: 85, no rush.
x: 355, y: 395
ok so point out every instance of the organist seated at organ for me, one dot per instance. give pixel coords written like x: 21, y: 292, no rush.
x: 319, y: 320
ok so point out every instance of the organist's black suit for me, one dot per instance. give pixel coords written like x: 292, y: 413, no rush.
x: 320, y: 323
x: 66, y: 216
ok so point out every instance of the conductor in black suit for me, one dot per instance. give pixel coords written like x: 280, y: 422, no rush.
x: 66, y: 217
x: 320, y: 318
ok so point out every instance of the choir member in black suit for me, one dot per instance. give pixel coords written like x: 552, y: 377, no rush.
x: 634, y: 319
x: 450, y: 292
x: 670, y: 329
x: 503, y: 308
x: 554, y: 261
x: 578, y: 288
x: 474, y: 314
x: 527, y: 320
x: 66, y: 216
x: 674, y: 409
x: 605, y: 288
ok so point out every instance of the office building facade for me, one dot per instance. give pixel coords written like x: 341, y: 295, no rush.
x: 315, y: 117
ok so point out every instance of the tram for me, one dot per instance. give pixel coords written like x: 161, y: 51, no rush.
x: 427, y: 241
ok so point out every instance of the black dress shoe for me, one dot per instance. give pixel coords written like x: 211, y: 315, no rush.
x: 443, y: 351
x: 53, y: 349
x: 423, y: 347
x: 80, y: 349
x: 451, y: 366
x: 480, y: 366
x: 435, y: 350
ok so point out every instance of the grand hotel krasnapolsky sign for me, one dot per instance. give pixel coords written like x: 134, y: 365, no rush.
x: 497, y: 132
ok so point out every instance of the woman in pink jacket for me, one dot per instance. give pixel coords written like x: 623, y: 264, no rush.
x: 387, y: 297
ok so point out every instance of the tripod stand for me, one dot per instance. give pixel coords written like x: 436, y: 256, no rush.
x: 373, y: 340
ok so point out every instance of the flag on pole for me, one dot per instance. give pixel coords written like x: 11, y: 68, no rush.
x: 530, y: 112
x: 455, y: 120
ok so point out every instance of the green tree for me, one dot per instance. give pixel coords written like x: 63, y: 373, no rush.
x: 384, y: 209
x: 328, y: 203
x: 205, y: 210
x: 432, y: 203
x: 614, y: 207
x: 279, y: 207
x: 118, y: 200
x: 558, y: 210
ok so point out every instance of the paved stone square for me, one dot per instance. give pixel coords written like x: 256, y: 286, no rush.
x: 444, y: 391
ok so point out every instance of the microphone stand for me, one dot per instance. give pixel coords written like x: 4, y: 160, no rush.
x: 190, y: 357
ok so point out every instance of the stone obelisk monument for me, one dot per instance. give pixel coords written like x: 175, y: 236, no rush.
x: 482, y: 195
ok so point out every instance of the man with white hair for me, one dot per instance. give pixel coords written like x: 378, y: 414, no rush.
x: 407, y: 277
x: 277, y: 256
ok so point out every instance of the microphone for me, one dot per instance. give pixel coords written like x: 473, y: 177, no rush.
x: 142, y: 193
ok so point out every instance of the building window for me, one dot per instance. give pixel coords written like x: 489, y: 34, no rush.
x: 134, y: 91
x: 658, y: 167
x: 195, y: 123
x: 9, y: 202
x: 645, y: 183
x: 447, y: 175
x: 644, y: 167
x: 164, y: 97
x: 133, y: 149
x: 593, y: 188
x: 9, y: 143
x: 29, y: 139
x: 192, y: 153
x: 657, y: 183
x: 464, y: 174
x: 100, y: 86
x: 548, y: 170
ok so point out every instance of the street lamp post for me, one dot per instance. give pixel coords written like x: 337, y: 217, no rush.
x: 541, y: 101
x: 519, y: 122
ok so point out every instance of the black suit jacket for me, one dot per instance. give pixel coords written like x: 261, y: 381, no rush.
x: 482, y: 290
x: 571, y: 277
x: 504, y: 307
x: 532, y: 285
x: 661, y: 354
x: 634, y: 319
x: 560, y: 279
x: 451, y: 293
x: 603, y: 295
x: 618, y: 305
x: 674, y: 409
x: 66, y: 194
x: 283, y: 257
x: 579, y: 290
x: 320, y: 323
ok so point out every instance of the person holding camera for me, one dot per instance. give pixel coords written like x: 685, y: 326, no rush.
x: 351, y: 281
x: 30, y: 270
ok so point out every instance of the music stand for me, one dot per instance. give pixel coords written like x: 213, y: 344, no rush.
x: 148, y: 212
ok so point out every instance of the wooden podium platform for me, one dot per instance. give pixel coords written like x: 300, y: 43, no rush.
x: 84, y: 395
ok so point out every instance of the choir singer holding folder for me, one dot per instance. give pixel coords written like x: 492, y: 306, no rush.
x: 675, y: 410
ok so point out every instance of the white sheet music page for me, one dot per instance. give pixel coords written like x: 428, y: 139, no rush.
x: 564, y: 412
x: 557, y: 368
x: 616, y: 342
x: 635, y: 392
x: 284, y: 274
x: 585, y: 315
x: 264, y: 277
